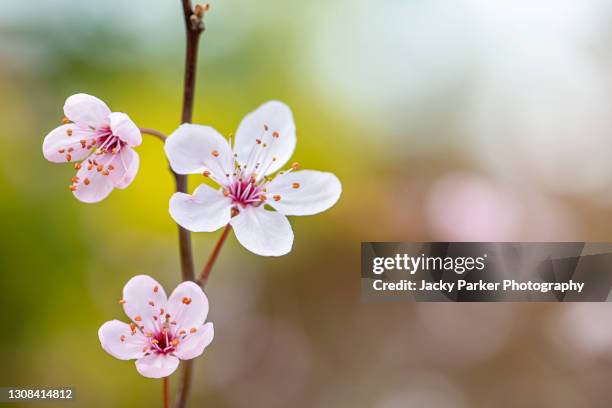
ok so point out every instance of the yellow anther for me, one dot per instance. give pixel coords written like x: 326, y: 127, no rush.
x: 206, y: 173
x: 65, y: 120
x: 138, y: 318
x: 295, y: 185
x: 275, y: 134
x: 72, y: 188
x: 122, y: 302
x: 186, y: 300
x: 276, y: 197
x: 193, y: 330
x: 100, y: 167
x: 86, y: 181
x: 215, y: 153
x: 68, y: 157
x: 77, y: 166
x: 175, y: 342
x: 295, y: 166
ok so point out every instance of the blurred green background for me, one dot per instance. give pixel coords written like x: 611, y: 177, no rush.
x: 444, y: 120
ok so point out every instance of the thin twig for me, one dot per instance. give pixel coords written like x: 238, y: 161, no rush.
x: 193, y: 28
x: 155, y: 133
x: 166, y: 393
x: 203, y: 279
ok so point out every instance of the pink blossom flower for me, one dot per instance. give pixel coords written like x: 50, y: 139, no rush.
x: 162, y: 330
x: 264, y: 142
x: 102, y: 140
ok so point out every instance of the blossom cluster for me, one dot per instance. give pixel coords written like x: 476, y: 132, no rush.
x: 254, y: 193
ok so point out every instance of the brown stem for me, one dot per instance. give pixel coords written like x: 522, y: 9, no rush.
x: 203, y: 279
x: 153, y: 132
x: 166, y: 393
x: 193, y: 28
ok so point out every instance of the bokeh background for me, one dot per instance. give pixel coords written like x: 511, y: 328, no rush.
x: 445, y: 120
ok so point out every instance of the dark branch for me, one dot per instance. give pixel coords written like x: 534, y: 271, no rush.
x: 194, y: 26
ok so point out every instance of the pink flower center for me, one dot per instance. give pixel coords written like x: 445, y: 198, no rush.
x: 245, y: 193
x: 164, y: 342
x: 109, y: 143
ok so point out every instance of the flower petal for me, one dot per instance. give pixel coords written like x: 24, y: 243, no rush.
x: 263, y: 232
x: 304, y: 192
x: 93, y: 185
x: 194, y: 343
x: 122, y: 126
x: 125, y: 167
x: 277, y: 143
x: 205, y: 210
x: 87, y: 110
x: 64, y: 142
x: 188, y: 306
x: 117, y: 340
x: 143, y: 299
x: 194, y: 149
x: 157, y: 365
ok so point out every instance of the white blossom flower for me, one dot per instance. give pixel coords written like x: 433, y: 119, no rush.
x: 106, y: 139
x: 162, y: 330
x: 264, y: 142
